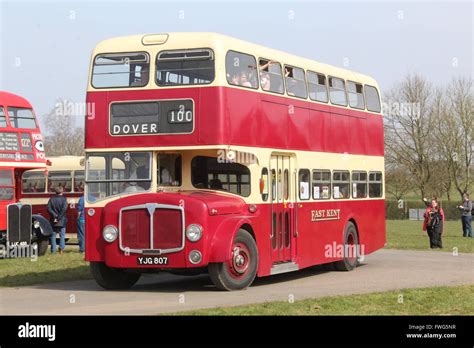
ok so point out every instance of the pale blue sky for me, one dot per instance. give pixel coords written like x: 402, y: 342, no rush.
x: 45, y: 46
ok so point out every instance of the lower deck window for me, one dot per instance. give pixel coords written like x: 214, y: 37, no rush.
x: 375, y: 184
x: 169, y: 170
x: 209, y: 173
x: 340, y: 184
x: 359, y: 184
x: 303, y: 178
x: 321, y: 184
x: 6, y: 185
x: 33, y: 182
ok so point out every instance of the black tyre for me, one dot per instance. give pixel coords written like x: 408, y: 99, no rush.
x: 241, y: 269
x: 113, y: 278
x: 351, y: 250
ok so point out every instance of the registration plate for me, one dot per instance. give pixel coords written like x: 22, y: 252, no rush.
x: 152, y: 260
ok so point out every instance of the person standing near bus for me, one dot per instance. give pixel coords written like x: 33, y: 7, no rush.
x: 466, y: 215
x: 80, y: 223
x: 433, y: 223
x: 57, y: 208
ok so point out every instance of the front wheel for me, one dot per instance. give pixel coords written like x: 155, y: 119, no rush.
x: 240, y: 270
x: 113, y: 278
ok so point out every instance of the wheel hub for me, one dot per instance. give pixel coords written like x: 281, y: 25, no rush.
x: 239, y: 260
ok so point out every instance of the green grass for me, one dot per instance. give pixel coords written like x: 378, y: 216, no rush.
x: 458, y: 300
x: 46, y: 269
x: 405, y: 234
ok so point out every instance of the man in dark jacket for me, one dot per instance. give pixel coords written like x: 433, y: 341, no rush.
x: 466, y: 217
x: 57, y: 208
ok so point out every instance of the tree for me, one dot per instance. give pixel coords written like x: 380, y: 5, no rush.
x: 398, y: 183
x: 460, y: 105
x: 63, y: 137
x: 408, y: 128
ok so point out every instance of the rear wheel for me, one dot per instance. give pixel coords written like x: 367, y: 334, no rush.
x: 351, y: 249
x: 240, y: 270
x: 113, y: 278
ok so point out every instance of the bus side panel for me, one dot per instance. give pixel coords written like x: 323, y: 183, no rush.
x: 320, y: 241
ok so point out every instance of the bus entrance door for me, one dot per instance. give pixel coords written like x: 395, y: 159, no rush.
x: 282, y: 208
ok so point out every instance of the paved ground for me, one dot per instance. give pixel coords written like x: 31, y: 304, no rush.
x: 384, y: 270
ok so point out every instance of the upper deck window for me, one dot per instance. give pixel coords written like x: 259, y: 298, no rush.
x: 114, y: 70
x: 317, y: 87
x: 271, y: 78
x: 21, y: 118
x: 373, y: 99
x: 185, y: 67
x: 3, y: 118
x: 295, y: 82
x: 337, y: 91
x: 355, y: 91
x: 241, y: 69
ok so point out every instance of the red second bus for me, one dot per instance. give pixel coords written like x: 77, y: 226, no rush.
x: 21, y: 149
x: 210, y: 154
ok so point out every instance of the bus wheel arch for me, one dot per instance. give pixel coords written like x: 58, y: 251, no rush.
x: 351, y: 243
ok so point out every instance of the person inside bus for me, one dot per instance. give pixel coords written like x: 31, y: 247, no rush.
x: 244, y: 81
x: 215, y: 184
x: 165, y: 176
x: 143, y: 173
x: 264, y: 68
x: 235, y: 80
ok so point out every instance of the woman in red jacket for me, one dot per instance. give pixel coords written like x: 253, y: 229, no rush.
x: 433, y: 223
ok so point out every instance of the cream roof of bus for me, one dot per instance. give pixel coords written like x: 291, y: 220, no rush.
x: 66, y: 163
x: 221, y: 44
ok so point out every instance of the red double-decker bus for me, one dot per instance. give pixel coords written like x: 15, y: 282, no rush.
x: 21, y: 149
x: 210, y: 154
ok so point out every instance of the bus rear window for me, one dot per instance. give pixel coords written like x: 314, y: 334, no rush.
x: 209, y: 173
x: 21, y: 118
x: 114, y: 70
x: 185, y: 67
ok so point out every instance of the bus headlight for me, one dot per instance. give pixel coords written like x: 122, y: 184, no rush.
x: 110, y: 233
x: 194, y: 232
